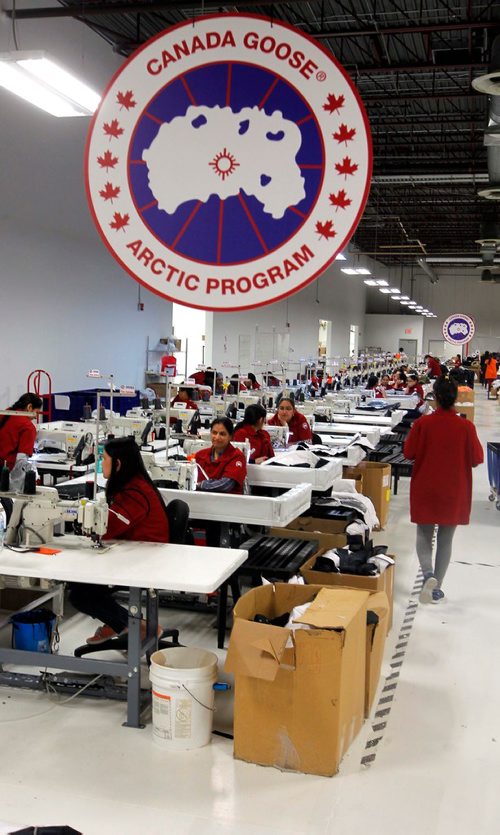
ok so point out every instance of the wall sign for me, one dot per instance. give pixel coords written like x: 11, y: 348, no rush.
x: 228, y: 163
x: 458, y: 329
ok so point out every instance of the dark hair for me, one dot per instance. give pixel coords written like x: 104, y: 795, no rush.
x: 126, y: 451
x: 413, y: 376
x: 189, y: 391
x: 251, y: 376
x: 27, y: 399
x: 227, y: 424
x: 403, y: 377
x: 372, y: 381
x: 445, y: 392
x: 253, y: 414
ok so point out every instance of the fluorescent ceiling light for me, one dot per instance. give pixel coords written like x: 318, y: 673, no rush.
x: 395, y: 290
x: 340, y: 257
x: 402, y: 301
x: 363, y: 271
x: 383, y: 290
x: 405, y: 298
x: 37, y: 79
x: 348, y: 271
x: 370, y: 281
x: 412, y: 305
x: 395, y: 297
x: 419, y: 308
x: 382, y: 282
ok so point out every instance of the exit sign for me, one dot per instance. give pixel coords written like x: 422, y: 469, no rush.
x: 408, y: 330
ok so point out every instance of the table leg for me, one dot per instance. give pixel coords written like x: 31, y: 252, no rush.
x: 221, y: 615
x: 134, y: 660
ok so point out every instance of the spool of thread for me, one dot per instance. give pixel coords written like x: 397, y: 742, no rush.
x: 30, y: 483
x: 89, y: 489
x: 102, y: 413
x: 144, y: 403
x: 87, y: 411
x: 5, y: 479
x: 157, y: 403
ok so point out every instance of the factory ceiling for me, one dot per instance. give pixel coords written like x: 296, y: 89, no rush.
x: 413, y: 63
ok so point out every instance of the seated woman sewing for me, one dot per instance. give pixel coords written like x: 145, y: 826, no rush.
x: 136, y: 512
x: 221, y: 467
x: 251, y: 429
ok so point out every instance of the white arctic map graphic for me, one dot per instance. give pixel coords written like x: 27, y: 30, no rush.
x: 214, y: 151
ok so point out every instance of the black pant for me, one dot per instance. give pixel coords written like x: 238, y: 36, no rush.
x: 98, y: 602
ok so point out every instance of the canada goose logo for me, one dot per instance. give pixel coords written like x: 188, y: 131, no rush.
x: 228, y: 163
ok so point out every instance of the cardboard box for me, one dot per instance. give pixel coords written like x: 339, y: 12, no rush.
x: 465, y: 395
x: 465, y: 409
x: 298, y: 708
x: 325, y: 540
x: 375, y: 645
x: 382, y: 583
x: 312, y: 524
x: 376, y: 485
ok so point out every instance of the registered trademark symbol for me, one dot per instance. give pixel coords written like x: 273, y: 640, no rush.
x: 321, y: 76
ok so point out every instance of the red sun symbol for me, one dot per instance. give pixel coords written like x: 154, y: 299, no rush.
x: 224, y: 164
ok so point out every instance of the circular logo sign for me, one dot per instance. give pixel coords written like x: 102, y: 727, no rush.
x: 458, y: 329
x: 228, y: 163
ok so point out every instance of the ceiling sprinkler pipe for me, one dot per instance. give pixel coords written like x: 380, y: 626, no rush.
x: 428, y: 270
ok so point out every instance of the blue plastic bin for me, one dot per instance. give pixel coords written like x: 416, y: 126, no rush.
x: 32, y: 631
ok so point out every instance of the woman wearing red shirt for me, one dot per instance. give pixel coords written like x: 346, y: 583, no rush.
x: 251, y: 430
x: 252, y: 382
x: 18, y: 434
x: 434, y: 366
x: 136, y: 512
x: 414, y: 387
x: 445, y: 448
x: 287, y: 415
x: 221, y: 467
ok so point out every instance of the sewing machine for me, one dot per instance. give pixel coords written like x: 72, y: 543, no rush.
x: 62, y: 435
x: 279, y: 434
x: 182, y: 473
x: 34, y: 518
x: 193, y: 445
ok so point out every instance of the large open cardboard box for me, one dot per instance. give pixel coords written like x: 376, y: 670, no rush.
x: 325, y: 540
x: 298, y: 707
x: 383, y: 583
x: 376, y: 485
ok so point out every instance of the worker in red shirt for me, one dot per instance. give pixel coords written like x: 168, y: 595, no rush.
x: 251, y: 382
x: 136, y: 512
x: 434, y: 366
x: 221, y: 467
x: 287, y: 415
x: 414, y: 387
x: 182, y: 399
x: 251, y: 429
x: 18, y: 433
x: 445, y: 448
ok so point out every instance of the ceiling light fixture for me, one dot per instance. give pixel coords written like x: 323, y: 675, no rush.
x: 340, y: 257
x: 37, y: 79
x: 402, y: 301
x: 382, y: 282
x: 405, y: 298
x: 395, y: 291
x: 370, y: 282
x: 363, y: 271
x: 396, y: 298
x: 383, y: 290
x: 348, y: 271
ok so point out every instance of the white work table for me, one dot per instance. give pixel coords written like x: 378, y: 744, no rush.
x: 140, y: 566
x: 275, y: 512
x: 371, y: 433
x: 269, y: 475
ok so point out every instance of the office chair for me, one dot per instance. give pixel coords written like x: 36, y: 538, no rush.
x: 179, y: 533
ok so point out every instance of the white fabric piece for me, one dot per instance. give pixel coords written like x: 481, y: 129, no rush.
x: 361, y: 503
x: 357, y: 528
x: 289, y: 459
x: 333, y: 556
x: 344, y: 485
x: 296, y: 580
x: 382, y: 561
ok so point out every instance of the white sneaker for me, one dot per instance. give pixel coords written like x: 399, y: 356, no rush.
x: 430, y: 584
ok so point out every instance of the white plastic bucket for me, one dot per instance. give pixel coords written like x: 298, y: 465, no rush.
x: 182, y: 680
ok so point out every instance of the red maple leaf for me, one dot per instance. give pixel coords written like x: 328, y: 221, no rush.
x: 119, y: 221
x: 325, y: 230
x: 107, y: 160
x: 333, y: 103
x: 113, y: 129
x: 346, y: 166
x: 126, y: 99
x: 344, y: 134
x: 109, y: 192
x: 340, y: 200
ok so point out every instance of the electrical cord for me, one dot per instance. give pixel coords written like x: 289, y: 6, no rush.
x: 57, y: 703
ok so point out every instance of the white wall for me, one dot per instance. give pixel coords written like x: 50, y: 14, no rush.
x: 341, y: 300
x: 66, y: 305
x: 461, y: 291
x: 386, y: 330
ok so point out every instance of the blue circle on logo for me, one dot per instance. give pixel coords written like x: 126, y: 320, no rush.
x: 458, y: 329
x: 237, y: 229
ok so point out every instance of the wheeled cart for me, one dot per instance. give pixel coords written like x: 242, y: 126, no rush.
x: 493, y: 457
